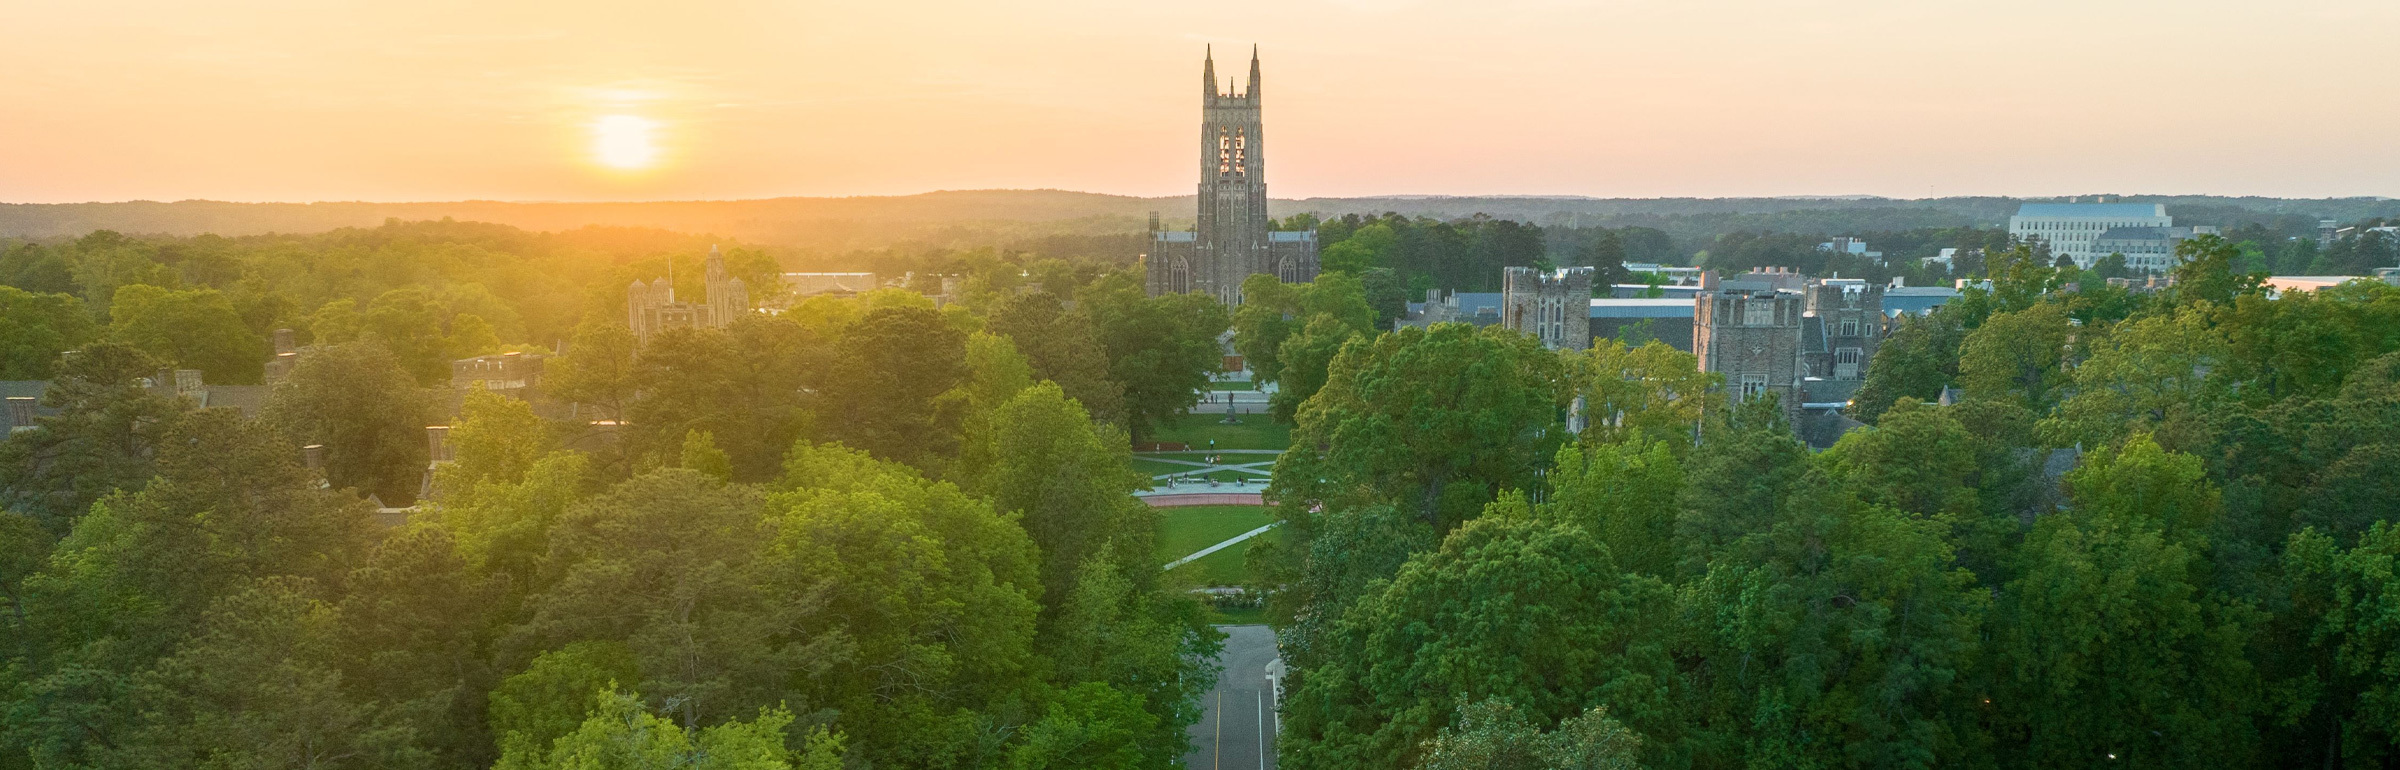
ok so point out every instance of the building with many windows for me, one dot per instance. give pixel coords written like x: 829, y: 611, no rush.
x: 1753, y: 339
x: 1838, y: 335
x: 2074, y: 229
x: 1554, y: 305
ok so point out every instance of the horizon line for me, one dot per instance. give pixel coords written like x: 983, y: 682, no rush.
x: 1384, y: 196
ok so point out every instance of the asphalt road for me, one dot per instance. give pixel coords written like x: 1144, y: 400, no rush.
x: 1238, y: 730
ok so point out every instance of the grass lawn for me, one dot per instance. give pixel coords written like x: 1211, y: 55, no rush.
x: 1153, y: 467
x: 1187, y: 529
x: 1229, y: 567
x: 1224, y: 458
x: 1257, y: 431
x: 1253, y: 616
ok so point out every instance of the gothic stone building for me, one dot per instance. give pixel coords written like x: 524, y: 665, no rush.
x: 1235, y: 239
x: 651, y: 308
x: 1753, y: 338
x: 1844, y: 322
x: 1554, y: 306
x: 1810, y: 347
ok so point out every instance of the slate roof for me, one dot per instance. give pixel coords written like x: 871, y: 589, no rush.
x: 247, y: 398
x: 1916, y: 300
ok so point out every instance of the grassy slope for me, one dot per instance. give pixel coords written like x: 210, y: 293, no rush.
x: 1257, y: 431
x: 1229, y: 567
x: 1185, y: 530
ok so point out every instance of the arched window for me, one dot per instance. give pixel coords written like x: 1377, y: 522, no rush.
x: 1179, y: 276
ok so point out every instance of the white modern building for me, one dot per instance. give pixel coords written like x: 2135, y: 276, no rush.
x: 2073, y: 229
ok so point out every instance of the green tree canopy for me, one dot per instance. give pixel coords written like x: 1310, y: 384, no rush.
x: 191, y: 329
x: 35, y: 328
x: 1161, y: 349
x: 1063, y: 348
x: 356, y: 401
x: 2017, y: 356
x: 1511, y: 607
x: 889, y: 374
x: 104, y: 438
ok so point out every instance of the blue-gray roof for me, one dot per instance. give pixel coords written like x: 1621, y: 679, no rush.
x: 1292, y: 235
x: 1470, y: 301
x: 2092, y: 210
x: 1916, y: 300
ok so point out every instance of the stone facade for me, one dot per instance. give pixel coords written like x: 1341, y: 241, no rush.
x: 1554, y: 306
x: 651, y: 308
x: 1846, y: 324
x: 1753, y: 338
x: 511, y: 374
x: 1235, y: 239
x: 1810, y: 346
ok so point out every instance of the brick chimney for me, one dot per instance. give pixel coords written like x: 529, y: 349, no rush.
x: 437, y: 438
x: 313, y: 457
x: 285, y: 342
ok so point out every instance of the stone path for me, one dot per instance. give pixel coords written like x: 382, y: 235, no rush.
x: 1180, y: 482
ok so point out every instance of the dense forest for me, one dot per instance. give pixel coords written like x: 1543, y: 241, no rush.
x: 2149, y: 529
x: 862, y: 532
x: 2087, y: 523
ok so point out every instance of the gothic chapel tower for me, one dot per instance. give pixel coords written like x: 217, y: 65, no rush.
x: 1233, y: 182
x: 1235, y: 238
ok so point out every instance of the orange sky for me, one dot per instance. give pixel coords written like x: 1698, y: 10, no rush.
x: 443, y: 99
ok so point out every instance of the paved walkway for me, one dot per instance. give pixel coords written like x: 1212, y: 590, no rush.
x: 1177, y: 500
x: 1251, y: 467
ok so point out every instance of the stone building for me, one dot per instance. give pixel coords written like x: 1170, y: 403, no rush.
x: 1753, y: 338
x: 651, y: 308
x: 1840, y: 329
x: 803, y: 285
x: 1235, y: 239
x: 509, y: 374
x: 1554, y: 306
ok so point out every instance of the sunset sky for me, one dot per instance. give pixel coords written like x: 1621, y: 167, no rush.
x: 297, y: 100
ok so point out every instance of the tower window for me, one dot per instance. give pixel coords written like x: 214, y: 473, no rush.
x: 1758, y: 313
x: 1753, y: 384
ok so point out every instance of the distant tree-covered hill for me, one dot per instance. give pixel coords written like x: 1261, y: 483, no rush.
x: 1008, y: 218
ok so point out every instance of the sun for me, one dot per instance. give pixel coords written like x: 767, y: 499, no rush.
x: 624, y: 141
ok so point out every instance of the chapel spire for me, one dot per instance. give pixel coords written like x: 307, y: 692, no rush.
x: 1208, y: 75
x: 1252, y: 94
